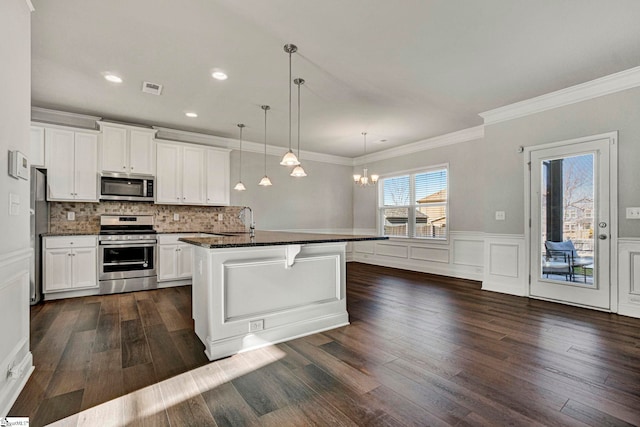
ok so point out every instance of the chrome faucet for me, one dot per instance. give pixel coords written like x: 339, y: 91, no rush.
x: 252, y: 225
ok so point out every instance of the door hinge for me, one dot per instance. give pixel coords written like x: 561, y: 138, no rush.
x: 529, y: 222
x: 529, y: 164
x: 529, y: 279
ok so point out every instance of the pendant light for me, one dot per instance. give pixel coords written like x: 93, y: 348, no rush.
x: 364, y: 180
x: 290, y: 159
x: 240, y: 186
x: 265, y: 181
x: 298, y: 171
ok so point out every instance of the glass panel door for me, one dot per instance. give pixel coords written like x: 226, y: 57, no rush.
x: 569, y: 223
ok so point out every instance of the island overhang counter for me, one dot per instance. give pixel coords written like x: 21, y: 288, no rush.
x: 251, y: 291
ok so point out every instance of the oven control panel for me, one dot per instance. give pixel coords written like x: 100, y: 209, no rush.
x: 126, y: 237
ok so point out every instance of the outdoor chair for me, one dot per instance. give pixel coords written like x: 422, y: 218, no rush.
x: 566, y: 248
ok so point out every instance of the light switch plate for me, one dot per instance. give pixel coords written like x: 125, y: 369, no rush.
x: 500, y: 215
x: 633, y: 213
x: 14, y: 204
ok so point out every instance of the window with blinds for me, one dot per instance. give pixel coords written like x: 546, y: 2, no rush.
x: 415, y: 205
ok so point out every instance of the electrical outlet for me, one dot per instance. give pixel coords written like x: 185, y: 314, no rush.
x: 500, y: 215
x: 220, y: 217
x: 633, y: 213
x: 176, y: 217
x: 71, y: 216
x: 256, y: 325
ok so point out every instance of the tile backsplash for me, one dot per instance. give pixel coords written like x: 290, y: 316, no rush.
x: 192, y: 218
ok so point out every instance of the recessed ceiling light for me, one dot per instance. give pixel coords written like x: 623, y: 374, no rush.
x: 219, y: 75
x: 192, y: 115
x: 113, y: 78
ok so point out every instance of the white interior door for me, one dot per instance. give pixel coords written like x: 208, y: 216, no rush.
x: 570, y: 202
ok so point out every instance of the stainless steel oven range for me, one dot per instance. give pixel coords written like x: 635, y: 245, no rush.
x: 127, y: 253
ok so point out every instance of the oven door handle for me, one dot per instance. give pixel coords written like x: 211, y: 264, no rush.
x: 130, y: 244
x: 126, y: 263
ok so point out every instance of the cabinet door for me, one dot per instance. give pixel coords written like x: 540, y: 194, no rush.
x: 141, y: 152
x: 36, y: 148
x: 59, y: 151
x: 114, y: 150
x: 86, y: 167
x: 84, y: 267
x: 193, y: 175
x: 168, y: 176
x: 167, y: 262
x: 217, y: 177
x: 185, y: 254
x: 57, y: 269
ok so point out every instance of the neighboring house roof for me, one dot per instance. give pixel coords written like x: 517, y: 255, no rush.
x: 438, y: 196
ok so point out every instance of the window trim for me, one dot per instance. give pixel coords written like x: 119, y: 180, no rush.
x: 412, y: 173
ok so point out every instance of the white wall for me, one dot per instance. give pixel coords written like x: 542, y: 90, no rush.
x: 322, y: 201
x: 15, y: 81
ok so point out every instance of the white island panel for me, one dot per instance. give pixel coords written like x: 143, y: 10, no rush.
x: 248, y: 297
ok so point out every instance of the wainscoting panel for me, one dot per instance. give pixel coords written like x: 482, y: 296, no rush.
x: 460, y: 256
x: 397, y: 251
x: 15, y: 358
x: 466, y: 251
x: 629, y: 277
x: 423, y: 253
x: 505, y: 264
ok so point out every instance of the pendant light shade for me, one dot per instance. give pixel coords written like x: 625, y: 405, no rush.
x: 265, y: 181
x: 364, y: 179
x: 290, y: 159
x: 240, y: 186
x: 298, y: 171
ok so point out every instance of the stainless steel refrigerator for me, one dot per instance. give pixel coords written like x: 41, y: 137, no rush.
x: 39, y: 224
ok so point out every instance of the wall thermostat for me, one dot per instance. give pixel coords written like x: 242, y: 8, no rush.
x: 18, y: 165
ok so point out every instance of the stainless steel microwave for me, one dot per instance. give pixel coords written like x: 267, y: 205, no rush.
x: 129, y: 187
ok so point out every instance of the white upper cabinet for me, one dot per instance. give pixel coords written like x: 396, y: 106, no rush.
x: 217, y: 177
x: 127, y: 149
x: 169, y: 176
x: 36, y: 148
x: 191, y: 174
x: 72, y: 165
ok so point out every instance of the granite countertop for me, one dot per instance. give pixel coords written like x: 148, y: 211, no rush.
x: 86, y: 233
x: 68, y: 233
x: 272, y: 238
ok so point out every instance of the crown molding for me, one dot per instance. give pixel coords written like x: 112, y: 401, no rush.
x: 606, y: 85
x: 457, y: 137
x: 247, y: 146
x: 30, y: 5
x: 46, y: 115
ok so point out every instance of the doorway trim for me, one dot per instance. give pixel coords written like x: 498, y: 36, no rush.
x: 613, y: 201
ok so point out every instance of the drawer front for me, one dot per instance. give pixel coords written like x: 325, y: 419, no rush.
x: 70, y: 242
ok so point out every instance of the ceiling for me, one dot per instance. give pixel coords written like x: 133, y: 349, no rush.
x: 403, y: 71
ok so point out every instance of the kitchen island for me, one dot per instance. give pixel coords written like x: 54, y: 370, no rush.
x: 251, y: 291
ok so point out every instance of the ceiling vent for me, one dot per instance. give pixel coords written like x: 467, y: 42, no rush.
x: 152, y: 88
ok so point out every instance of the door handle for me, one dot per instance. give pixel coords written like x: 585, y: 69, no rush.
x: 602, y: 236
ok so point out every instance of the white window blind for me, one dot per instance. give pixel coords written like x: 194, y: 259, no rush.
x: 415, y: 205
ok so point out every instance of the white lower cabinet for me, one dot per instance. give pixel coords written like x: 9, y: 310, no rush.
x: 174, y: 258
x: 70, y: 263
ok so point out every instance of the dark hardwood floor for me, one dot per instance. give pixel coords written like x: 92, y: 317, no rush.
x: 420, y: 350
